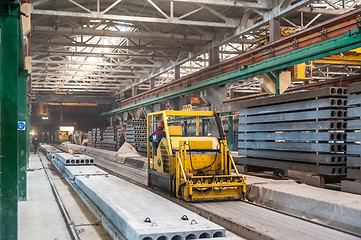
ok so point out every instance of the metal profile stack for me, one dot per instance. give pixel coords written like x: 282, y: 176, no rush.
x: 136, y: 133
x: 302, y: 131
x: 109, y: 141
x: 92, y: 137
x: 98, y: 138
x: 354, y: 132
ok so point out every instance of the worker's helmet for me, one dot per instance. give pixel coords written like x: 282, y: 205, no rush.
x: 122, y: 128
x: 160, y: 124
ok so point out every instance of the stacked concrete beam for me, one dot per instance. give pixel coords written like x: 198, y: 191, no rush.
x: 91, y: 138
x: 98, y: 138
x: 48, y: 150
x: 136, y: 132
x: 353, y: 140
x: 73, y: 159
x: 303, y: 131
x: 109, y: 141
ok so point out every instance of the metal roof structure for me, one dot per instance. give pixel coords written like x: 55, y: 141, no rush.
x: 109, y: 46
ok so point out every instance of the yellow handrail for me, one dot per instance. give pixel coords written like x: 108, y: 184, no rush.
x: 181, y: 165
x: 233, y: 163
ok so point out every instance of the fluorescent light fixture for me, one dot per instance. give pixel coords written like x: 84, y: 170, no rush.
x: 45, y: 118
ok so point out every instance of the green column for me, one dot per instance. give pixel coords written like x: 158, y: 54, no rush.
x: 276, y: 79
x: 277, y: 73
x: 9, y: 75
x: 22, y: 136
x: 22, y: 116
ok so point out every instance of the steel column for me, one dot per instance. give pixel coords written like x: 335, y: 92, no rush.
x: 22, y: 136
x: 9, y: 75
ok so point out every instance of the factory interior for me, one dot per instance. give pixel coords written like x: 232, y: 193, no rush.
x: 180, y: 119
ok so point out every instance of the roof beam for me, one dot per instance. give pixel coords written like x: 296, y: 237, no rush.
x: 95, y: 15
x: 67, y: 69
x: 60, y: 74
x: 134, y: 48
x: 107, y: 33
x: 241, y: 4
x: 111, y: 6
x: 97, y: 64
x: 100, y: 55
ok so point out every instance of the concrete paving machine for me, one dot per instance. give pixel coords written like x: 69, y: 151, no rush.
x: 190, y: 165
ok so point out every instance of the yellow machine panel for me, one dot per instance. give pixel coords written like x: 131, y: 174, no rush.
x: 302, y: 71
x: 175, y: 130
x: 200, y: 144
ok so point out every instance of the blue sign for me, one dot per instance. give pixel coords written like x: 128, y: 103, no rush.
x: 21, y: 125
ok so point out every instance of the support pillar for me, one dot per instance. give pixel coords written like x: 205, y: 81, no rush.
x: 176, y: 72
x: 11, y: 65
x: 152, y: 83
x: 231, y: 93
x: 215, y: 96
x: 213, y: 56
x: 134, y: 91
x: 274, y: 29
x: 22, y: 135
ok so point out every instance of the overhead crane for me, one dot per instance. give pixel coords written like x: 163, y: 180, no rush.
x: 331, y: 37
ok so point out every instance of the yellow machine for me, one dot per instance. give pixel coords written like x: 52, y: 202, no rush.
x: 302, y: 71
x: 193, y: 168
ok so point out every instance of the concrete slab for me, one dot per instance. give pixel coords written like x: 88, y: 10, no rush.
x: 253, y: 222
x: 351, y: 186
x: 338, y: 209
x: 35, y: 213
x: 140, y: 214
x: 86, y: 224
x: 74, y: 171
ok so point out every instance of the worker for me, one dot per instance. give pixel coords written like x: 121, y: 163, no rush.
x: 35, y: 142
x: 157, y: 136
x: 42, y: 137
x: 47, y: 137
x: 122, y: 137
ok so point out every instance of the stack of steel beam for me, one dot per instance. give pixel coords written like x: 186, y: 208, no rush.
x: 354, y: 132
x: 109, y: 141
x: 302, y: 131
x: 136, y: 132
x: 73, y: 159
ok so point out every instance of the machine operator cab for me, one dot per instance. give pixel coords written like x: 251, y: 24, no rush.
x: 191, y: 164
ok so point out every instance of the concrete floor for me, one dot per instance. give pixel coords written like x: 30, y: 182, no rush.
x: 40, y: 216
